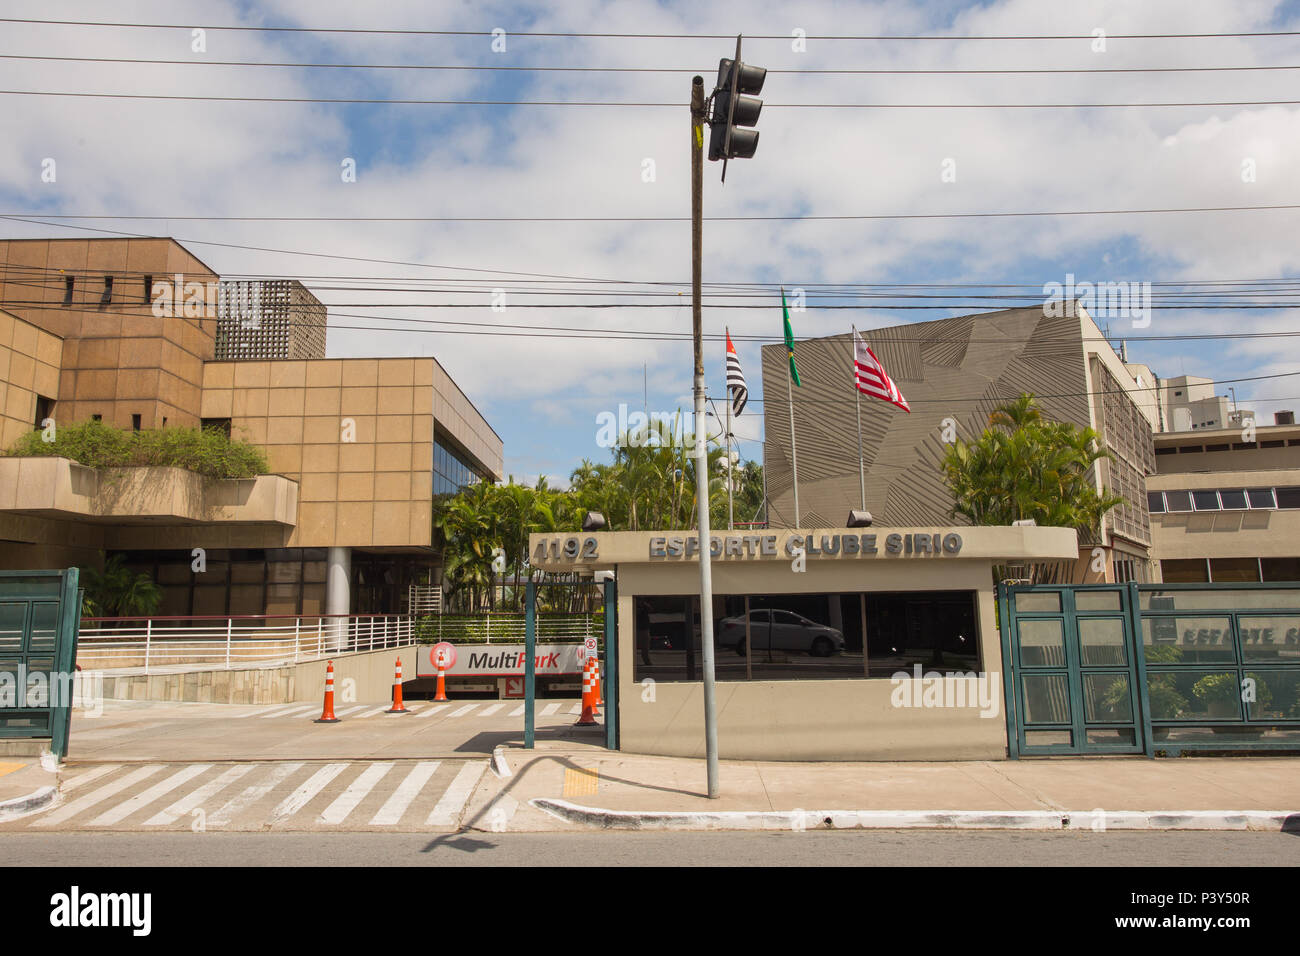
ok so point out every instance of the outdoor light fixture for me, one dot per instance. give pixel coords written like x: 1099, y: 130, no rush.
x: 858, y: 519
x: 593, y: 521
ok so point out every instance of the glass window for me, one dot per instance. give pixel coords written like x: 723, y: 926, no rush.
x: 1096, y: 600
x: 1205, y: 500
x: 1288, y: 497
x: 1101, y: 642
x: 1042, y: 642
x: 1234, y: 570
x: 1187, y: 640
x: 1178, y: 500
x: 1195, y: 599
x: 1280, y: 569
x: 1233, y: 499
x: 1274, y: 637
x: 1155, y: 502
x: 1035, y: 601
x: 1184, y: 571
x: 1260, y: 497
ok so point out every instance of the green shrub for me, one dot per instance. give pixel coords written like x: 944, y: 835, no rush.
x: 207, y: 452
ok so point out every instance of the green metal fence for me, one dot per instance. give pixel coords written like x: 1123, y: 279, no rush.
x: 39, y: 616
x: 1152, y: 668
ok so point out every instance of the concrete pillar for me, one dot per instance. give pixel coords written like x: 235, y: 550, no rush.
x: 338, y: 594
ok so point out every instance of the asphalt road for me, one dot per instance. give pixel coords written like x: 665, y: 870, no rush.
x: 812, y: 848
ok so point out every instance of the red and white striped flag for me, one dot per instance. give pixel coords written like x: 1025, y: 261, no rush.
x: 871, y: 378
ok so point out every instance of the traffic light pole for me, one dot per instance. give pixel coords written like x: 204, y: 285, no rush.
x: 698, y: 117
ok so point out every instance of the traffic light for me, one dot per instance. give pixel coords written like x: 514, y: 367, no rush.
x: 735, y: 107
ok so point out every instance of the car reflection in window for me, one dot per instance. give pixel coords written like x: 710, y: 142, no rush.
x: 780, y: 631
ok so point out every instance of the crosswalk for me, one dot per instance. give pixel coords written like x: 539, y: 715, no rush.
x: 412, y: 795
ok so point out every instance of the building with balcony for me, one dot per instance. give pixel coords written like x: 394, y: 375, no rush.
x: 357, y: 447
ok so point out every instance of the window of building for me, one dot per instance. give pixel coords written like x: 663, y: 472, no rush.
x: 1205, y: 500
x: 1232, y: 499
x: 1166, y: 450
x: 1234, y: 570
x: 1260, y: 497
x: 107, y: 297
x: 1216, y: 447
x: 1178, y: 500
x: 1279, y: 569
x: 44, y: 410
x: 1288, y: 497
x: 1185, y: 571
x: 1272, y: 444
x: 148, y: 288
x: 808, y: 636
x: 1155, y: 502
x: 68, y: 283
x: 221, y: 424
x: 135, y: 423
x: 97, y: 418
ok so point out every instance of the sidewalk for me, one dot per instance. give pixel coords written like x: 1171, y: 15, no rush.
x: 561, y: 788
x: 26, y: 786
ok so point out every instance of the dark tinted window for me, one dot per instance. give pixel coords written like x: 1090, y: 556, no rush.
x: 1234, y: 499
x: 1178, y: 500
x: 1260, y: 497
x: 1206, y: 500
x: 1155, y: 502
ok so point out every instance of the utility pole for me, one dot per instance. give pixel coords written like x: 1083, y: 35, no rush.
x: 698, y: 117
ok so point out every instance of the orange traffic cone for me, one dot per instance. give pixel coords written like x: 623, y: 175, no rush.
x: 588, y: 717
x: 397, y: 707
x: 327, y: 715
x: 442, y: 686
x: 595, y: 685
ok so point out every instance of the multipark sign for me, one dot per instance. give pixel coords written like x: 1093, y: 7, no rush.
x: 506, y: 660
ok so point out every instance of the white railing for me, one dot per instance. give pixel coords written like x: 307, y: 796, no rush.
x: 506, y: 627
x: 229, y: 642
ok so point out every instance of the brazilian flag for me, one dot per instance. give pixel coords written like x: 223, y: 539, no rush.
x: 789, y: 340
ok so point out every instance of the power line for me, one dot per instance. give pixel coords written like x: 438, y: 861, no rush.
x: 37, y: 217
x: 483, y: 68
x: 379, y: 101
x: 488, y: 34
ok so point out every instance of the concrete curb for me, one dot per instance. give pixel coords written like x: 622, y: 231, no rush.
x: 499, y: 765
x: 34, y: 802
x: 800, y: 820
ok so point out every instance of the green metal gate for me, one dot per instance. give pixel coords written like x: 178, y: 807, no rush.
x: 1073, y: 670
x: 1151, y: 668
x: 40, y: 612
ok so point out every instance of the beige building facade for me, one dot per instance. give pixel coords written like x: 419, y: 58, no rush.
x: 357, y: 448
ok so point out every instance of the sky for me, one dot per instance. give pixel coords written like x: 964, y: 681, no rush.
x: 543, y: 390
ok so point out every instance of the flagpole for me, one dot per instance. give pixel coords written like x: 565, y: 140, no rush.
x: 857, y: 392
x: 731, y: 505
x: 794, y: 454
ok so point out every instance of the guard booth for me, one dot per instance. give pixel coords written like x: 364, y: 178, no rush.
x: 40, y: 612
x: 1151, y: 668
x: 830, y: 644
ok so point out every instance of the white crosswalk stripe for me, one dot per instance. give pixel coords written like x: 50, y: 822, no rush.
x: 351, y: 710
x: 490, y: 710
x: 453, y: 802
x: 432, y: 710
x: 261, y: 711
x: 250, y: 796
x: 518, y: 711
x: 302, y: 796
x: 462, y: 711
x: 391, y: 812
x: 550, y: 709
x: 282, y: 712
x: 91, y: 775
x: 198, y: 797
x: 576, y: 709
x: 141, y: 800
x: 303, y: 711
x: 70, y: 810
x: 377, y: 710
x: 347, y: 801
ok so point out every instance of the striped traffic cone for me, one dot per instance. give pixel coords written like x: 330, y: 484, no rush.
x: 327, y: 715
x: 397, y: 707
x: 442, y: 686
x: 595, y: 685
x: 588, y: 717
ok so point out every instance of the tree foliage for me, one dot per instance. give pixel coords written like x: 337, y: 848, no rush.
x: 648, y: 485
x: 1023, y: 466
x: 116, y: 591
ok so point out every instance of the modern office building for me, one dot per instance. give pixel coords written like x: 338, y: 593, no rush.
x: 954, y: 373
x: 269, y: 319
x: 1224, y: 509
x: 1189, y: 403
x: 357, y: 448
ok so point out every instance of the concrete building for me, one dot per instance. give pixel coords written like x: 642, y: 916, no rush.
x: 1224, y: 509
x: 357, y: 448
x: 954, y: 373
x: 269, y: 319
x: 1189, y: 403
